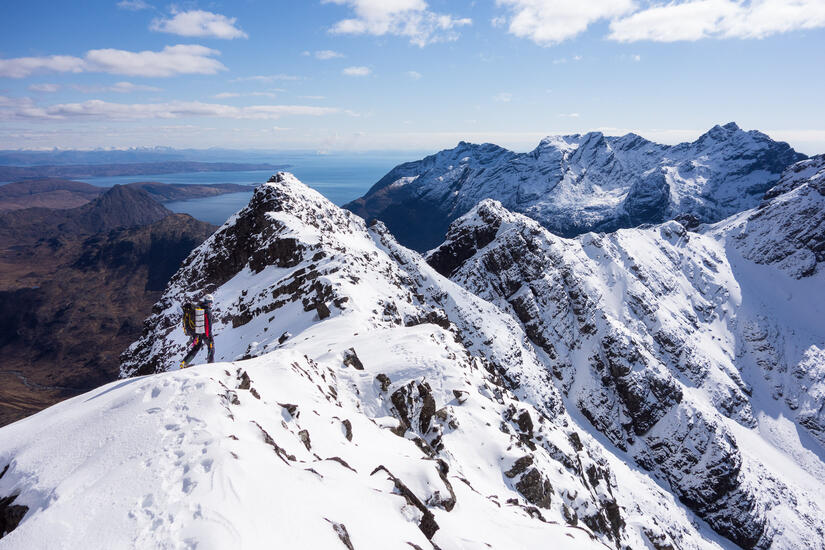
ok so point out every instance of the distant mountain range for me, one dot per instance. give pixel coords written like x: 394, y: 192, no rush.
x: 81, y: 171
x: 60, y: 193
x: 579, y: 183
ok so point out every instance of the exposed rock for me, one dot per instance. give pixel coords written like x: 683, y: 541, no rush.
x: 351, y: 359
x: 415, y: 405
x: 535, y: 488
x: 341, y: 530
x: 10, y: 514
x: 384, y: 381
x: 427, y: 525
x: 303, y: 435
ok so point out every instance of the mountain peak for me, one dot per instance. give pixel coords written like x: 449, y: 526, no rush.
x: 119, y: 207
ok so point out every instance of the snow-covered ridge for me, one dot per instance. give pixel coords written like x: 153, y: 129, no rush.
x: 578, y: 183
x: 362, y: 401
x: 706, y: 367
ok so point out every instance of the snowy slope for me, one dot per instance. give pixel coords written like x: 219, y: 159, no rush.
x: 578, y: 183
x: 700, y: 355
x: 362, y: 401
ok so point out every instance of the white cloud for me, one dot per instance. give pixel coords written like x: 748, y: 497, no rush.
x: 227, y: 95
x: 698, y: 19
x: 569, y: 115
x: 315, y: 97
x: 20, y: 67
x: 414, y: 75
x: 199, y: 23
x: 548, y: 22
x: 172, y: 60
x: 408, y: 18
x: 96, y: 109
x: 266, y: 78
x: 357, y: 71
x: 47, y: 88
x: 503, y: 97
x: 118, y: 87
x: 327, y: 54
x: 133, y: 5
x: 637, y: 57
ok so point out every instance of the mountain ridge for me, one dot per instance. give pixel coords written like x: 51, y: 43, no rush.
x: 580, y: 182
x: 539, y: 395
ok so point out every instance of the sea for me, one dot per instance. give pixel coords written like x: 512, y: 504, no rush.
x: 339, y: 178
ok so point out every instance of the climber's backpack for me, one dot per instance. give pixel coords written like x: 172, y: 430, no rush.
x: 200, y: 320
x: 188, y: 319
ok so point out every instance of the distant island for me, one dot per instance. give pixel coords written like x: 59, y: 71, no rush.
x: 80, y: 171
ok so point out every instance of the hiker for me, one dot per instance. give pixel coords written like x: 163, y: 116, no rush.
x: 197, y: 324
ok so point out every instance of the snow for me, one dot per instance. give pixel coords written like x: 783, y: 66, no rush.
x: 282, y: 442
x: 738, y: 345
x: 577, y: 183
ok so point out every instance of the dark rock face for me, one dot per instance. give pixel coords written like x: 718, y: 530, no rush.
x: 535, y: 488
x: 788, y: 228
x: 415, y: 405
x: 648, y: 200
x: 10, y: 515
x: 351, y: 359
x: 579, y: 183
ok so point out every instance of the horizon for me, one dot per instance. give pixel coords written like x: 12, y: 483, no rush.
x: 355, y: 76
x: 670, y: 140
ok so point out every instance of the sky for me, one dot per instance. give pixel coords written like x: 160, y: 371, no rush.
x: 369, y: 75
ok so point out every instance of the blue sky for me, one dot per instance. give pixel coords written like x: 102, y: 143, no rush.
x: 340, y: 75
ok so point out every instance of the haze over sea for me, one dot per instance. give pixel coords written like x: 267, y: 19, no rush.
x: 339, y: 178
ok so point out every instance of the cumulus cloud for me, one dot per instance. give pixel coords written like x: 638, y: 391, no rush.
x: 327, y: 54
x: 357, y: 71
x: 172, y: 60
x: 133, y: 5
x: 199, y: 23
x: 548, y: 22
x: 408, y: 18
x: 96, y: 109
x: 698, y: 19
x: 20, y: 67
x: 569, y: 115
x: 414, y: 75
x: 47, y: 88
x: 118, y: 87
x: 503, y: 97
